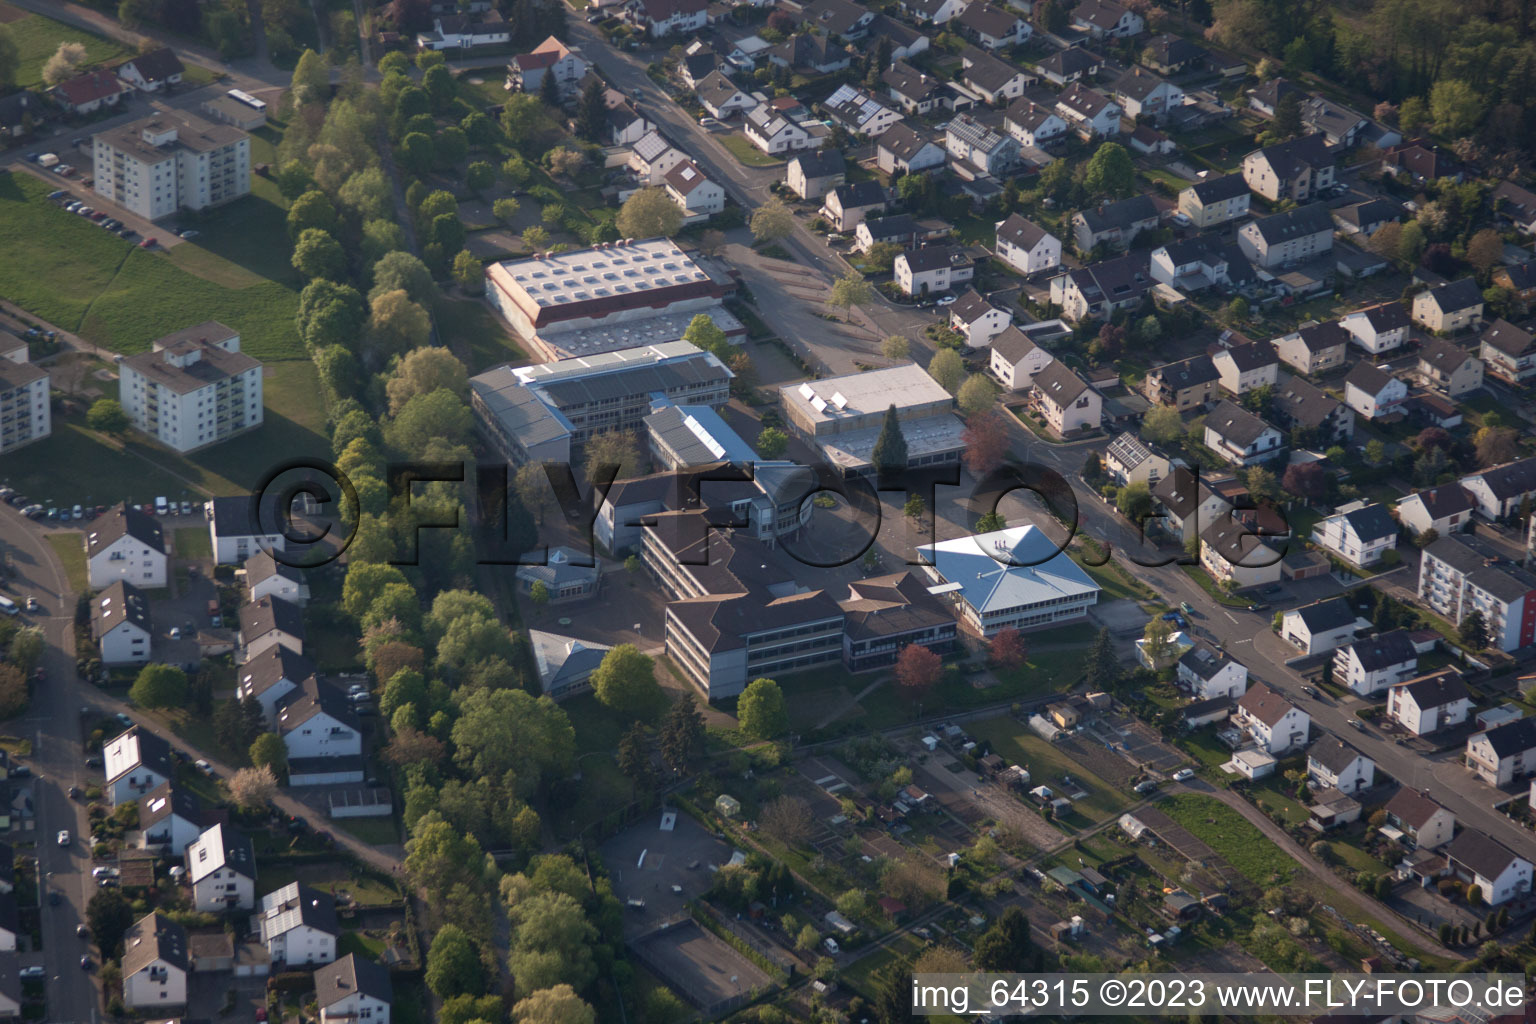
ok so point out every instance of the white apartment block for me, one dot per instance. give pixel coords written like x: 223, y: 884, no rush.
x: 25, y: 415
x: 171, y: 161
x: 193, y: 389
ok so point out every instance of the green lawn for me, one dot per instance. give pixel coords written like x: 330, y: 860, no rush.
x: 1356, y: 858
x: 99, y: 473
x: 477, y: 334
x: 359, y: 943
x: 1270, y: 795
x: 742, y: 149
x: 1047, y: 763
x: 71, y: 551
x: 373, y: 831
x: 122, y: 297
x: 1232, y: 836
x: 37, y: 38
x: 193, y: 542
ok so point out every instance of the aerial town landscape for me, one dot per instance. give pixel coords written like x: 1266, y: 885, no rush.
x: 643, y: 511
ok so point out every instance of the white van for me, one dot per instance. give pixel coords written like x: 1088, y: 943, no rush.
x: 162, y: 507
x: 48, y: 159
x: 9, y: 607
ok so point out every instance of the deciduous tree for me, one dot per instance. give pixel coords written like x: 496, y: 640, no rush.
x: 986, y: 442
x: 421, y: 372
x: 107, y: 416
x: 396, y: 325
x: 918, y: 670
x: 64, y: 64
x: 625, y: 681
x: 772, y: 221
x: 159, y: 686
x: 453, y: 964
x: 788, y: 819
x: 760, y: 710
x: 1110, y: 172
x: 977, y: 395
x: 318, y: 255
x: 1007, y: 648
x: 896, y: 347
x: 254, y: 788
x: 947, y: 368
x: 268, y: 751
x: 557, y: 1005
x: 848, y: 291
x: 649, y: 213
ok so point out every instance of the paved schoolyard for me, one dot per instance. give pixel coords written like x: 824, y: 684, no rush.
x: 680, y: 857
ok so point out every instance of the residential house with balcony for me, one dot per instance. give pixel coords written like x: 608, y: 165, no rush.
x: 1297, y: 170
x: 1509, y: 352
x: 1099, y: 289
x: 269, y: 622
x: 914, y: 90
x: 1207, y: 673
x: 1187, y: 504
x: 353, y: 989
x: 1376, y: 664
x: 1332, y: 763
x: 1184, y: 385
x: 221, y: 869
x: 1295, y: 236
x: 299, y: 926
x: 1089, y: 112
x: 1364, y: 219
x: 1246, y: 549
x: 847, y: 205
x: 1195, y: 264
x: 1336, y: 123
x: 265, y: 576
x: 1315, y: 348
x: 1429, y: 703
x: 1032, y: 124
x: 1265, y: 97
x: 1449, y: 368
x: 1459, y: 575
x: 1499, y: 491
x: 1519, y: 279
x: 977, y: 320
x: 721, y: 97
x: 1242, y: 368
x: 155, y: 965
x: 1026, y: 246
x: 991, y: 27
x: 1360, y: 534
x: 694, y: 194
x: 900, y: 148
x: 1144, y: 96
x: 860, y: 113
x: 1505, y: 753
x: 1373, y: 393
x: 994, y: 80
x: 1449, y: 308
x: 1015, y: 359
x: 1275, y: 724
x: 652, y: 156
x: 135, y: 763
x: 121, y: 625
x: 1128, y: 460
x: 1322, y: 626
x: 1168, y: 54
x: 932, y: 269
x: 1215, y: 201
x: 1378, y: 329
x: 1302, y: 406
x: 526, y: 71
x: 125, y: 545
x: 1066, y: 401
x: 772, y: 132
x: 663, y: 18
x: 170, y: 819
x: 1419, y: 822
x: 1240, y: 437
x: 980, y: 149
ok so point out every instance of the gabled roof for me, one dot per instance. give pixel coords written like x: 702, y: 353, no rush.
x: 1216, y: 190
x: 310, y: 699
x: 1482, y: 854
x: 1372, y: 211
x: 1384, y: 650
x: 1290, y: 158
x: 1446, y: 500
x: 1057, y: 383
x: 1181, y: 492
x: 1187, y: 373
x: 910, y: 82
x: 1170, y: 50
x: 1298, y: 223
x: 929, y: 257
x: 970, y: 307
x: 1456, y: 295
x: 661, y: 10
x: 1436, y: 689
x: 1265, y: 704
x: 1326, y: 615
x: 1074, y: 60
x: 258, y: 618
x: 1412, y: 808
x: 903, y: 142
x: 296, y: 904
x: 89, y: 87
x: 221, y: 847
x: 123, y: 521
x: 1083, y: 101
x: 837, y: 16
x: 686, y: 177
x: 1512, y: 738
x: 1204, y: 660
x: 984, y: 70
x: 859, y: 194
x: 1304, y: 404
x: 1119, y: 215
x: 1322, y: 337
x: 351, y: 975
x: 119, y: 603
x: 1235, y: 424
x: 166, y: 800
x: 714, y: 88
x: 1333, y: 754
x: 261, y: 567
x: 1019, y: 231
x: 1013, y: 344
x: 1324, y: 115
x: 1138, y: 83
x: 1518, y: 200
x: 157, y: 65
x: 988, y: 20
x: 1384, y: 316
x: 1371, y: 379
x: 1507, y: 338
x: 1510, y: 479
x: 822, y: 163
x: 1028, y: 114
x: 136, y: 749
x: 154, y: 937
x: 1372, y: 522
x: 1254, y: 355
x: 1270, y: 93
x: 1129, y: 450
x: 271, y: 666
x: 1104, y: 14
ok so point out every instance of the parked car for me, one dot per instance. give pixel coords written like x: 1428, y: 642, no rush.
x: 204, y: 767
x: 63, y: 837
x: 99, y: 215
x: 105, y: 872
x: 1357, y: 725
x: 32, y: 606
x: 94, y: 761
x: 127, y: 233
x: 148, y: 243
x: 34, y: 972
x: 21, y: 771
x: 190, y: 233
x: 82, y: 931
x: 84, y: 211
x: 64, y: 170
x: 1183, y: 773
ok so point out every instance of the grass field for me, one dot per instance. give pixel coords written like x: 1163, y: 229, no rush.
x: 99, y: 473
x: 122, y: 297
x: 742, y: 149
x: 373, y: 831
x: 193, y: 542
x: 70, y: 548
x: 1047, y: 764
x: 37, y: 38
x: 474, y: 332
x: 1232, y: 836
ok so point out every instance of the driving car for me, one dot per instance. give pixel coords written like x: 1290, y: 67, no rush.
x: 63, y: 837
x: 103, y: 871
x: 33, y: 606
x: 1357, y: 725
x: 33, y: 972
x: 82, y: 931
x: 948, y: 300
x: 85, y: 963
x: 1183, y: 773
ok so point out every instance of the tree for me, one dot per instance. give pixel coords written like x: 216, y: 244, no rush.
x: 453, y: 964
x: 976, y: 395
x: 1456, y: 107
x: 634, y: 759
x: 1305, y: 480
x: 549, y: 90
x: 535, y: 238
x: 914, y: 507
x: 947, y: 369
x: 1007, y: 648
x: 918, y: 670
x: 986, y: 441
x: 649, y: 213
x: 10, y: 58
x: 106, y: 416
x: 109, y: 915
x: 760, y: 710
x: 772, y: 443
x: 681, y: 731
x: 27, y: 648
x: 1007, y: 945
x: 772, y: 221
x: 1102, y: 669
x: 1110, y: 172
x: 625, y: 681
x: 848, y: 291
x: 469, y: 272
x: 893, y: 984
x: 417, y: 153
x: 401, y: 271
x: 1473, y: 631
x: 618, y: 448
x: 704, y: 333
x: 254, y: 788
x: 563, y: 161
x: 14, y: 696
x: 1237, y: 310
x: 1411, y: 243
x: 159, y: 686
x: 1287, y: 121
x: 317, y: 254
x: 1162, y: 424
x: 889, y: 456
x: 421, y: 372
x: 556, y: 1005
x: 1262, y: 484
x: 1485, y: 251
x: 510, y: 730
x: 64, y: 63
x: 592, y: 113
x: 788, y: 819
x: 896, y: 347
x: 504, y: 210
x: 397, y: 325
x: 1135, y: 501
x: 990, y: 522
x: 1158, y: 641
x: 552, y: 944
x: 808, y: 939
x: 313, y: 209
x: 269, y: 751
x: 1496, y: 445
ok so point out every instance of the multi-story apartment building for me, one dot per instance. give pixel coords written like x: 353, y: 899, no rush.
x: 25, y: 415
x: 1215, y: 200
x: 1459, y: 575
x: 170, y: 161
x: 1297, y: 169
x: 540, y: 413
x: 1509, y: 352
x: 193, y: 389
